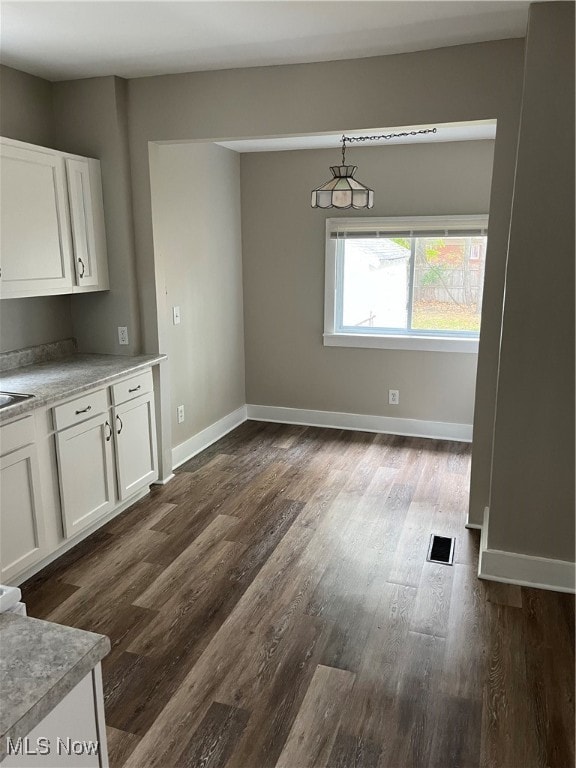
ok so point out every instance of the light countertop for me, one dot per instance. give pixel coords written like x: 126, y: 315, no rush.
x: 40, y: 663
x: 56, y: 380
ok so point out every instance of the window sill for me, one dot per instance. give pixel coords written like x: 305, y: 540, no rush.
x: 415, y: 343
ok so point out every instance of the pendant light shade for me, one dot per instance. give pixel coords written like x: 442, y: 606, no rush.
x: 343, y: 190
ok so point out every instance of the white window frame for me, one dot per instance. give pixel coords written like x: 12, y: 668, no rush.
x: 441, y: 342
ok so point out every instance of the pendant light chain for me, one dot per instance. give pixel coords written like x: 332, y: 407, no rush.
x: 382, y: 136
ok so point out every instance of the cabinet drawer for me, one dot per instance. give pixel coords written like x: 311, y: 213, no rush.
x: 16, y: 435
x: 132, y: 387
x: 76, y: 411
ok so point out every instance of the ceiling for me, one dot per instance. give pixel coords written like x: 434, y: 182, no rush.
x: 70, y: 40
x: 469, y: 131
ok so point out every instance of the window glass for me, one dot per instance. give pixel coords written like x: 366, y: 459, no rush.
x: 376, y: 274
x: 426, y: 284
x: 447, y: 287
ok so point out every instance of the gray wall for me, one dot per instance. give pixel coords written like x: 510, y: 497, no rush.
x: 26, y: 112
x: 532, y: 495
x: 197, y: 240
x: 283, y: 255
x: 38, y: 320
x: 90, y: 119
x: 469, y: 82
x: 26, y: 115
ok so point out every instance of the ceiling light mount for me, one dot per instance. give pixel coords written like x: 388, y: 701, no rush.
x: 343, y: 190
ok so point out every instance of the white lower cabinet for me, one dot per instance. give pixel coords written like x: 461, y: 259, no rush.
x: 135, y: 438
x: 67, y: 467
x: 86, y: 472
x: 72, y: 735
x: 22, y: 534
x: 106, y: 454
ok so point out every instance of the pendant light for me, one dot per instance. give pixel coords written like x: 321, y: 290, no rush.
x: 343, y: 190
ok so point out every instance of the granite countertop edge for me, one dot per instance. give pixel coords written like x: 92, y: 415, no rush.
x: 59, y: 690
x: 132, y: 364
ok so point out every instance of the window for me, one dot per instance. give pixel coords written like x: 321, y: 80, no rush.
x: 409, y: 283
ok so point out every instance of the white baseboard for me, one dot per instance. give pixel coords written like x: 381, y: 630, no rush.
x: 524, y: 570
x: 331, y: 419
x: 164, y: 480
x: 527, y: 570
x: 198, y: 442
x: 440, y: 430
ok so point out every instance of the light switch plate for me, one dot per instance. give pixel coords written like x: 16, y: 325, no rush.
x: 122, y: 334
x: 176, y: 315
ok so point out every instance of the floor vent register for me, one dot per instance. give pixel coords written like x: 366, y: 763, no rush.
x: 441, y: 550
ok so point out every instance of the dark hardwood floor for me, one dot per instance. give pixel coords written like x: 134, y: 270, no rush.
x: 272, y: 606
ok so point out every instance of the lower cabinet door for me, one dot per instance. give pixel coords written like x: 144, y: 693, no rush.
x: 22, y: 540
x: 86, y: 473
x: 135, y: 436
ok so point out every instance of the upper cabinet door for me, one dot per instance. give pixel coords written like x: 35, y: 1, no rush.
x: 36, y: 249
x: 87, y: 219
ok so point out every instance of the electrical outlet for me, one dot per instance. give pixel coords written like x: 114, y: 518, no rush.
x: 122, y: 334
x: 393, y: 396
x: 176, y: 315
x: 180, y: 413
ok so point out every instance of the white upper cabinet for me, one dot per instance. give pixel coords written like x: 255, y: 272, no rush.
x: 52, y: 237
x: 36, y: 248
x: 86, y: 216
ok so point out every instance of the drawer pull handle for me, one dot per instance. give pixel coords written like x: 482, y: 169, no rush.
x: 84, y: 410
x: 135, y: 389
x: 82, y: 266
x: 121, y: 425
x: 109, y: 435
